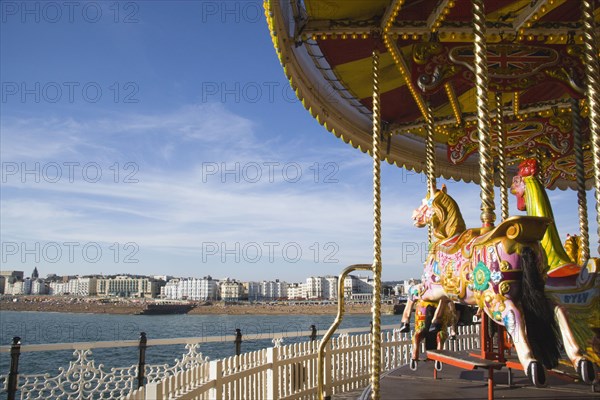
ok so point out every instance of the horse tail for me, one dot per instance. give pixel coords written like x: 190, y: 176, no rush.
x: 542, y: 329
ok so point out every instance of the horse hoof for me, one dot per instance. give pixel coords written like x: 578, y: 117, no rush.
x: 585, y: 369
x: 413, y: 365
x: 438, y: 365
x: 536, y: 374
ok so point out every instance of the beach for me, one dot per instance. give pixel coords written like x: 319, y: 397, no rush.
x: 136, y: 306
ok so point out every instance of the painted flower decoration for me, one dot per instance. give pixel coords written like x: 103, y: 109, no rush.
x: 481, y: 276
x: 509, y: 322
x: 497, y: 315
x: 496, y: 276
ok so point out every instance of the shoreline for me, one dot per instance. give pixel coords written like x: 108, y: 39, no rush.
x: 83, y: 305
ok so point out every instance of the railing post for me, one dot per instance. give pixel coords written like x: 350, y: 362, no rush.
x: 238, y: 342
x: 215, y: 373
x: 142, y: 360
x: 313, y: 333
x: 272, y: 381
x: 13, y: 375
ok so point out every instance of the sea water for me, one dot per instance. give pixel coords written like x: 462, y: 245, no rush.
x: 50, y: 327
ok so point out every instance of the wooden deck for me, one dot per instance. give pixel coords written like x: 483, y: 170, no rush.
x: 455, y: 383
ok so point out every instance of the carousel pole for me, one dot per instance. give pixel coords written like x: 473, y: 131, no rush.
x: 502, y: 157
x: 584, y: 245
x: 376, y: 309
x: 430, y: 162
x: 486, y: 170
x: 593, y: 92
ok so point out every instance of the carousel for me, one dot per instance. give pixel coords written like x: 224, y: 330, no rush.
x: 504, y: 94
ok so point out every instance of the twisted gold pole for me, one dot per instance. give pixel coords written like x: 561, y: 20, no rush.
x: 593, y: 93
x: 502, y: 157
x: 376, y: 310
x: 584, y: 245
x: 486, y: 170
x: 430, y: 161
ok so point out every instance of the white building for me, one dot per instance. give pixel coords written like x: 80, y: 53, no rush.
x: 231, y: 290
x: 39, y: 286
x: 358, y: 287
x: 17, y: 286
x: 295, y: 291
x: 273, y: 290
x: 57, y: 288
x: 252, y: 291
x: 82, y: 286
x: 319, y: 287
x: 190, y: 289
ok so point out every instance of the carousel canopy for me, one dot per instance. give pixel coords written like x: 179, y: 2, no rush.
x: 535, y: 62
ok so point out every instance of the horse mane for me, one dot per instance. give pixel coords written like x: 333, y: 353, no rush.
x: 538, y: 204
x: 448, y: 220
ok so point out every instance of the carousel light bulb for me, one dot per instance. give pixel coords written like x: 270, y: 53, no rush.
x: 344, y: 36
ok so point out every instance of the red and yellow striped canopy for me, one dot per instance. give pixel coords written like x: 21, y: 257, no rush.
x: 535, y: 61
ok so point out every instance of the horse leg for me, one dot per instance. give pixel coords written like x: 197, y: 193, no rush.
x: 418, y: 336
x: 583, y: 366
x: 438, y: 315
x: 419, y: 333
x: 405, y: 327
x: 515, y: 326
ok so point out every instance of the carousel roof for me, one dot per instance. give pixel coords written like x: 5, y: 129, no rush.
x: 535, y: 60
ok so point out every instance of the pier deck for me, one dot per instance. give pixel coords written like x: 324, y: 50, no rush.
x: 455, y: 383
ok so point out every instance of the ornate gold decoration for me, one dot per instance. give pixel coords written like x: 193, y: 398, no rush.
x: 504, y: 287
x: 422, y: 52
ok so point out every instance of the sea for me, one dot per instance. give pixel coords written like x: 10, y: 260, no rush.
x: 53, y: 327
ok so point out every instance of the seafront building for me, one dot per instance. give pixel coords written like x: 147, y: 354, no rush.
x: 321, y: 287
x: 204, y: 289
x: 127, y: 286
x: 231, y: 290
x: 356, y: 288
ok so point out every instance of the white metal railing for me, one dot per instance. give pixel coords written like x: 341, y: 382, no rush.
x: 289, y: 371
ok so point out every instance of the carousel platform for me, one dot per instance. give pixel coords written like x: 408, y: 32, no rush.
x: 456, y: 383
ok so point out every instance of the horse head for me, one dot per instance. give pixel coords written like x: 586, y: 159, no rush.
x: 526, y: 168
x: 441, y: 212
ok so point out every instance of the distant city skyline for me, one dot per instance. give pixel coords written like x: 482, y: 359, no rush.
x: 183, y: 148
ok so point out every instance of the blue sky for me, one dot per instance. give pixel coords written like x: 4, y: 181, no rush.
x: 162, y: 138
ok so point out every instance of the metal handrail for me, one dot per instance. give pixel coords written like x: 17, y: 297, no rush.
x: 334, y: 326
x: 174, y: 341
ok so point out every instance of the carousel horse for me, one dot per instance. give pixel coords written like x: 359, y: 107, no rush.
x: 574, y: 289
x: 414, y: 295
x: 501, y: 271
x: 424, y: 314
